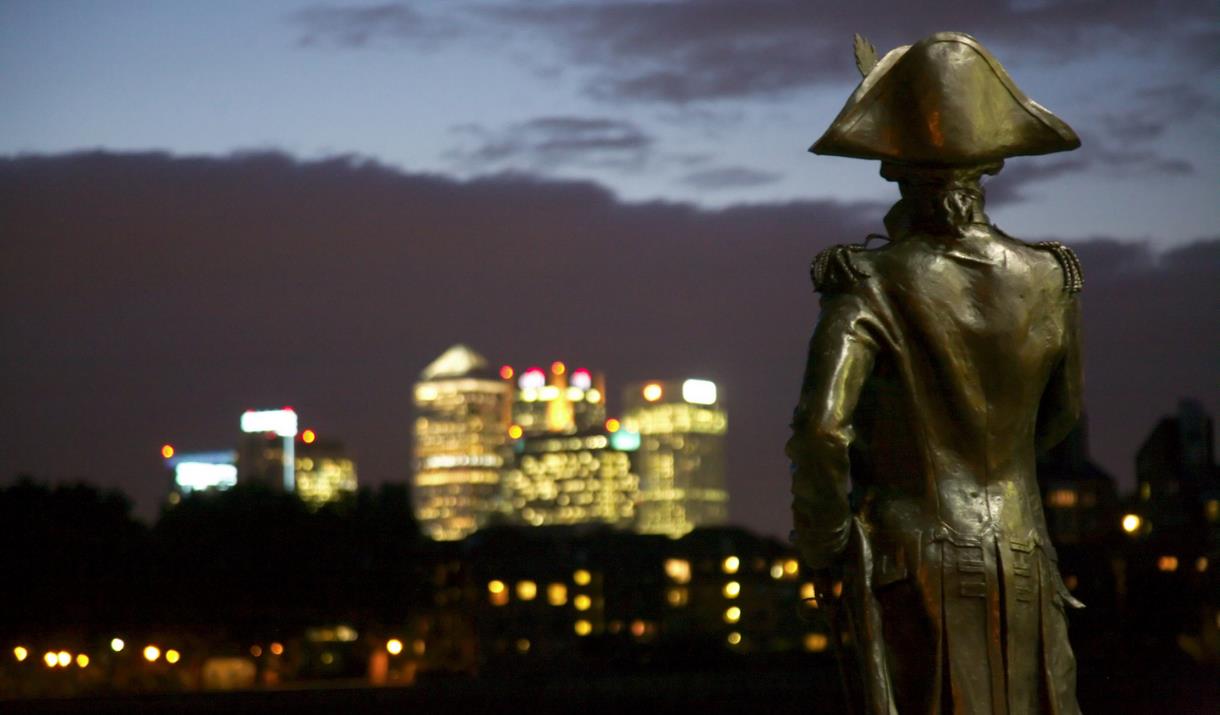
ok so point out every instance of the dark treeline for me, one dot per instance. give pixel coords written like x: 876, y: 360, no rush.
x: 248, y: 562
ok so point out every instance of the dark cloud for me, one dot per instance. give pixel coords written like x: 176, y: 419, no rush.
x: 150, y: 299
x: 730, y: 177
x: 548, y: 142
x: 1019, y: 174
x: 363, y: 25
x: 1154, y: 109
x: 710, y: 49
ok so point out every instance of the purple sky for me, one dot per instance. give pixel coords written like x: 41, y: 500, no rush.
x: 207, y: 208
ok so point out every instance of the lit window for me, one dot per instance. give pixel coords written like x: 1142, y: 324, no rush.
x: 582, y: 602
x: 582, y: 628
x: 64, y: 658
x: 777, y: 570
x: 638, y: 628
x: 1145, y: 491
x: 506, y: 372
x: 731, y: 564
x: 652, y: 392
x: 1061, y: 498
x: 581, y: 577
x: 20, y: 654
x: 613, y: 425
x: 791, y: 567
x: 277, y: 649
x: 1132, y: 523
x: 523, y: 645
x: 117, y: 644
x: 816, y: 642
x: 732, y: 614
x: 732, y: 589
x: 172, y: 656
x: 557, y: 594
x: 808, y: 592
x: 50, y: 659
x: 734, y: 638
x: 558, y: 368
x: 677, y: 596
x: 82, y: 660
x: 515, y: 432
x: 526, y: 590
x: 1167, y: 563
x: 152, y: 653
x: 678, y: 570
x: 393, y: 646
x: 1201, y: 564
x: 1212, y: 509
x: 167, y: 451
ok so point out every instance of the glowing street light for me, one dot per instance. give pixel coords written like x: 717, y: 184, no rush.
x: 151, y: 653
x: 167, y: 450
x: 393, y: 646
x: 1132, y: 523
x: 117, y: 644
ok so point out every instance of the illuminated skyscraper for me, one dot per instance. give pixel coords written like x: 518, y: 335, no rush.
x: 461, y: 444
x: 324, y: 471
x: 571, y: 468
x: 265, y: 454
x: 681, y: 426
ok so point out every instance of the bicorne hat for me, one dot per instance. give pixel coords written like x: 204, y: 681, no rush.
x: 942, y: 101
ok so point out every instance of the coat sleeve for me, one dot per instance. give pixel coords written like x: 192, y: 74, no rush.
x: 1062, y: 399
x: 841, y: 354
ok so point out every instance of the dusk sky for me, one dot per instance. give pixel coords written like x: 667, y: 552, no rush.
x: 206, y: 207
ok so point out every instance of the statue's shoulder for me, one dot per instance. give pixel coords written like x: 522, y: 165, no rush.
x: 1073, y: 274
x: 1069, y: 264
x: 838, y: 268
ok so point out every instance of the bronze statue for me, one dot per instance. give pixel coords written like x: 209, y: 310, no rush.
x: 940, y: 362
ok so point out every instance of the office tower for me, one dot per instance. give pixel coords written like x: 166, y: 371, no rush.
x: 265, y: 453
x: 200, y: 471
x: 461, y: 444
x: 324, y: 470
x: 680, y: 462
x: 1080, y: 501
x: 556, y: 400
x: 1175, y: 468
x: 572, y: 466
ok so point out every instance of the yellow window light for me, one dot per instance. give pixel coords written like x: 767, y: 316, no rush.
x: 557, y: 594
x: 172, y: 656
x: 732, y: 614
x: 582, y: 627
x: 732, y: 589
x: 582, y: 577
x: 20, y: 653
x: 652, y: 392
x: 582, y: 602
x: 152, y: 653
x: 393, y: 646
x: 731, y: 564
x: 117, y: 644
x: 1132, y: 523
x: 527, y: 590
x: 82, y: 660
x: 678, y: 570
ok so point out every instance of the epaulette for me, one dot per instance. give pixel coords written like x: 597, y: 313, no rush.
x: 832, y: 269
x: 1073, y: 275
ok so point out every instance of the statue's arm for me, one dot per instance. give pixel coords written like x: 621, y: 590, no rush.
x: 1057, y: 414
x: 1062, y: 400
x: 841, y: 354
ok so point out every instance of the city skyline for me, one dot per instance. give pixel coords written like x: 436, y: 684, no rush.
x: 208, y: 208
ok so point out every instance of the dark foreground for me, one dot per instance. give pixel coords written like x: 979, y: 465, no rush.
x: 1165, y: 685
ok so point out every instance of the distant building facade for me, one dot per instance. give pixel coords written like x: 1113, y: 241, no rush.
x: 325, y: 472
x: 569, y: 465
x: 461, y: 444
x: 1178, y: 484
x: 681, y: 459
